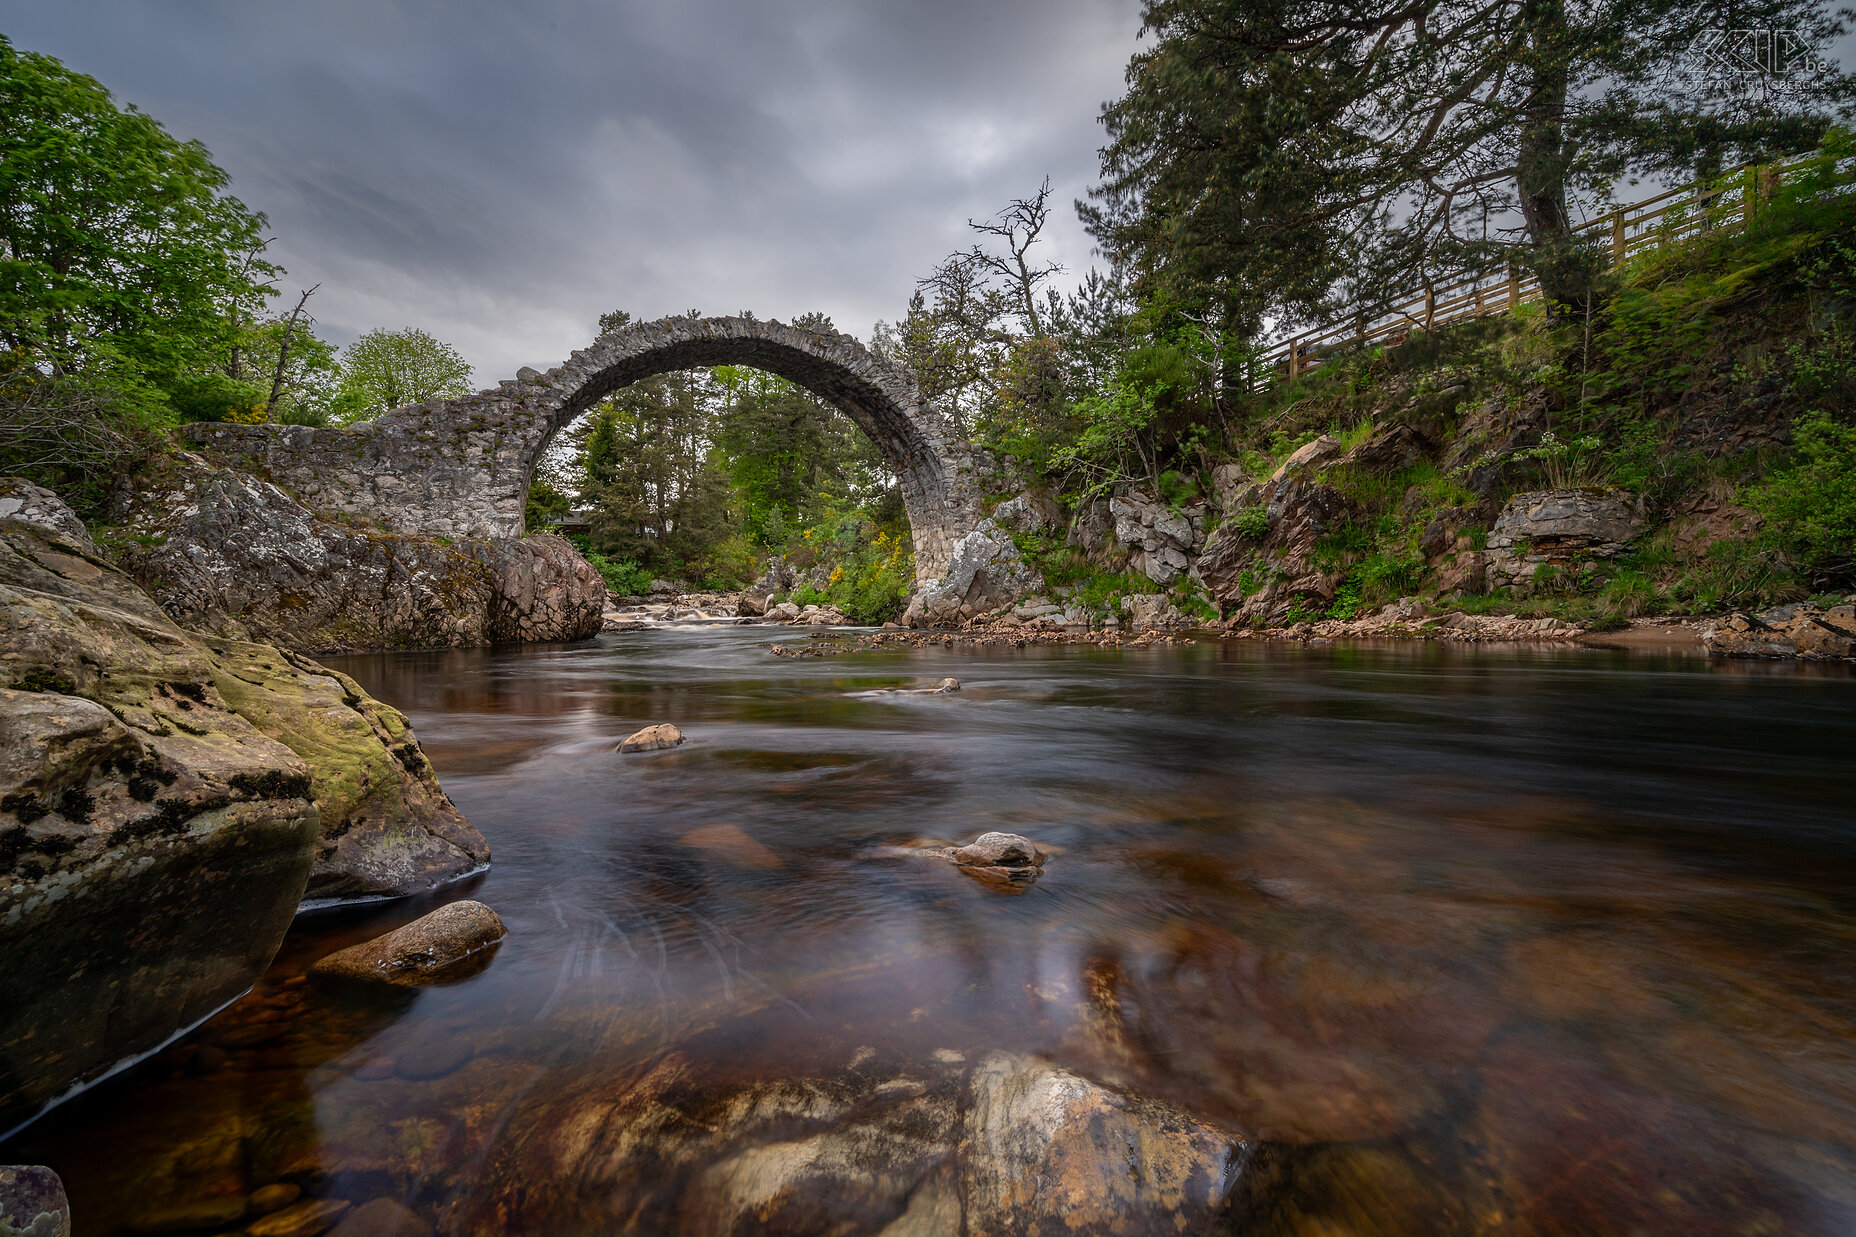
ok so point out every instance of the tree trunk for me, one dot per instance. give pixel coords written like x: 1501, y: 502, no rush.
x: 1541, y: 163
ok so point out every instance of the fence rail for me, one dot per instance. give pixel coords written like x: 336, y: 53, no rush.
x: 1720, y: 204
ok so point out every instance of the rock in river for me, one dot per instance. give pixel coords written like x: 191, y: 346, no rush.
x: 1004, y: 859
x: 429, y: 948
x: 164, y: 801
x: 32, y: 1202
x: 653, y: 739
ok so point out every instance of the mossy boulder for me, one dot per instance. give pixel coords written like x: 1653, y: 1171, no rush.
x: 166, y: 800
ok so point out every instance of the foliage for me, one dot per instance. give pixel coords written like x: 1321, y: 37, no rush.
x: 623, y: 579
x: 74, y: 432
x: 1292, y: 155
x: 384, y: 370
x: 119, y: 251
x: 1811, y: 505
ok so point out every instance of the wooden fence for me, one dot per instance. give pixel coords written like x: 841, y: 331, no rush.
x: 1723, y: 203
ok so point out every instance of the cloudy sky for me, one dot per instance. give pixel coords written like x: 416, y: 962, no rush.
x: 501, y: 173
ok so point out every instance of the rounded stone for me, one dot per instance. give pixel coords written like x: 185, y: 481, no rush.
x: 274, y: 1197
x: 653, y: 739
x: 423, y: 951
x: 32, y: 1201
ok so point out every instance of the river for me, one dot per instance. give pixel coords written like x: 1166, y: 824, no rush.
x: 1465, y: 941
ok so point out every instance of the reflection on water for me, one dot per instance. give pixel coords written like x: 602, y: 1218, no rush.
x: 1472, y: 942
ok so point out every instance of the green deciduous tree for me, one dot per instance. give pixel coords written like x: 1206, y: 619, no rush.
x: 119, y: 248
x: 1294, y: 155
x: 384, y: 370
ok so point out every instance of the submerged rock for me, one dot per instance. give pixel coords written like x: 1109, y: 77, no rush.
x: 309, y: 1218
x: 1051, y: 1151
x: 32, y: 1201
x: 653, y: 739
x: 382, y: 1218
x: 1013, y: 1145
x: 430, y: 948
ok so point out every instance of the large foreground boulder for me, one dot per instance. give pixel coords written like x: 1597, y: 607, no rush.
x: 166, y: 801
x: 225, y: 552
x: 153, y: 843
x: 1797, y: 630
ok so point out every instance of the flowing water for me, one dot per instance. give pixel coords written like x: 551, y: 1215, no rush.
x: 1464, y: 941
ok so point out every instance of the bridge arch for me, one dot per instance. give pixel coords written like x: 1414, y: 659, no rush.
x: 462, y: 467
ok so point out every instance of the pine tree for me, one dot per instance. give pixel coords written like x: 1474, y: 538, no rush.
x: 1292, y: 156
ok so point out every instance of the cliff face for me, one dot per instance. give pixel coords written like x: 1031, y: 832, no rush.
x: 225, y: 552
x: 166, y: 801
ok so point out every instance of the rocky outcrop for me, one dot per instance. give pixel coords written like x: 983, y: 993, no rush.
x: 153, y: 843
x: 984, y: 573
x: 1026, y: 513
x: 430, y: 948
x: 1011, y: 1146
x: 166, y: 801
x: 1161, y: 541
x: 1799, y: 630
x: 1259, y: 579
x: 1563, y: 528
x: 225, y: 552
x: 1310, y: 457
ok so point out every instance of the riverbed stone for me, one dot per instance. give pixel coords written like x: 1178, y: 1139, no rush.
x: 656, y: 738
x: 383, y: 1217
x: 909, y: 1148
x: 1800, y: 630
x: 1050, y: 1150
x: 274, y: 1197
x: 423, y: 951
x: 32, y: 1200
x: 309, y: 1218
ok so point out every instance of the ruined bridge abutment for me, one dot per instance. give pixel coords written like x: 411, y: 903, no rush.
x: 461, y: 468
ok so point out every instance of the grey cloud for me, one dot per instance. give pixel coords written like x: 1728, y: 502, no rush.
x: 502, y: 174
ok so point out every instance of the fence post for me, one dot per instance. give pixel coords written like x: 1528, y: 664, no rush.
x: 1514, y: 287
x: 1617, y: 237
x: 1430, y: 305
x: 1359, y: 326
x: 1294, y: 360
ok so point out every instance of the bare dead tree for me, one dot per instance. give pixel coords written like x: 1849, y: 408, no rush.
x: 1019, y: 226
x: 297, y: 318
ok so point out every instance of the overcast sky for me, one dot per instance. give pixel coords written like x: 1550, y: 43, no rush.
x: 500, y: 173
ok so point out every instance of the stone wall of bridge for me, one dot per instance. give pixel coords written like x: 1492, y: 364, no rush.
x: 461, y: 468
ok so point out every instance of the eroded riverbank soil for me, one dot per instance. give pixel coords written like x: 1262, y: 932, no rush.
x: 1453, y: 940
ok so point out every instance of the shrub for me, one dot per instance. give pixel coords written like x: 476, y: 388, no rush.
x: 1251, y: 523
x: 1811, y: 506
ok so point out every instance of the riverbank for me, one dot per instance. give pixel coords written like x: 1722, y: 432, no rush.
x: 1793, y: 631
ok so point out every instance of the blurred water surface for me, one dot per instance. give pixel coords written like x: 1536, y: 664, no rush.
x: 1469, y: 940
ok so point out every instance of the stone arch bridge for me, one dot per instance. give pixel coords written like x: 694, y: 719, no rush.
x: 461, y: 467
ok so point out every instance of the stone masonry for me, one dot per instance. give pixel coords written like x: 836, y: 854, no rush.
x: 461, y: 468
